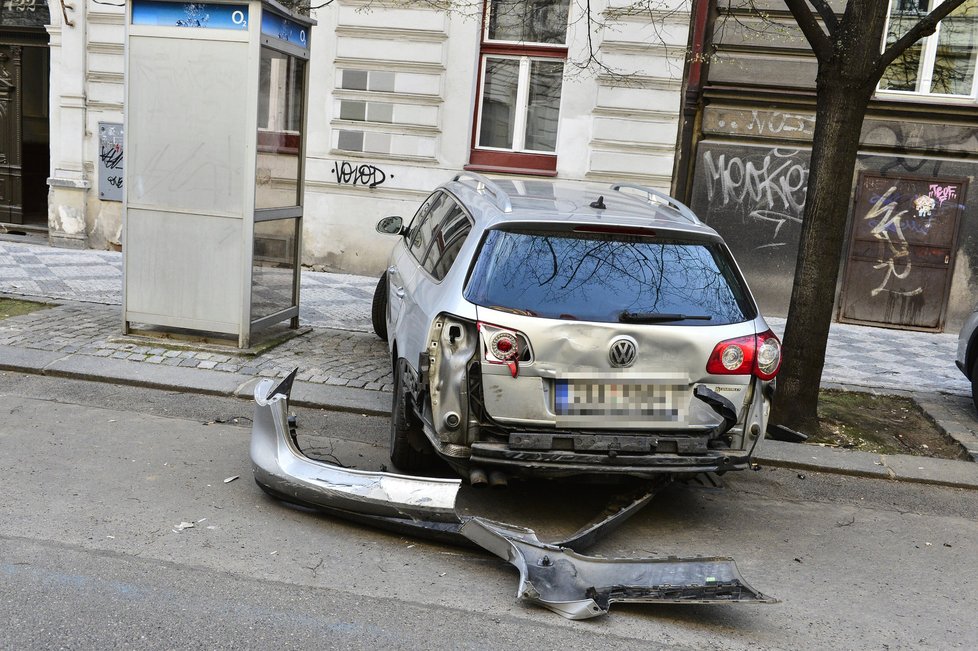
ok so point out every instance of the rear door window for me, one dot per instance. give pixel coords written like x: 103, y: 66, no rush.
x: 611, y: 278
x: 425, y: 221
x: 447, y: 240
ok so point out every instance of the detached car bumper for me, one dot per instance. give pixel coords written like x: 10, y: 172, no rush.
x: 552, y: 575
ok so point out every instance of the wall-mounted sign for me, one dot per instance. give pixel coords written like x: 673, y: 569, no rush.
x: 284, y: 29
x: 189, y: 14
x: 110, y: 161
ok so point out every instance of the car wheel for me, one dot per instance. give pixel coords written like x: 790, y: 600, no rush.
x: 378, y: 309
x: 410, y: 449
x: 974, y: 384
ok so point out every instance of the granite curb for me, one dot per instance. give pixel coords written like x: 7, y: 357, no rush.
x: 941, y: 408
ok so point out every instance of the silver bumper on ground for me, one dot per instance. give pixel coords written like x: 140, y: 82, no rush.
x: 551, y: 574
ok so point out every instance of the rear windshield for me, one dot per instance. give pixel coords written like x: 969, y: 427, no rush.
x: 608, y: 278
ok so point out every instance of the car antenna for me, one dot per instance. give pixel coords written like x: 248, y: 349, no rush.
x: 599, y: 204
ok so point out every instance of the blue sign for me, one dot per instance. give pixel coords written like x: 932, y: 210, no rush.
x: 189, y: 14
x: 284, y: 29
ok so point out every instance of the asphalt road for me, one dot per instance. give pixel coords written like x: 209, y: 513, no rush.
x: 96, y: 479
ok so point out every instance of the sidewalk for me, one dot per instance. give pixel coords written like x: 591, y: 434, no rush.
x: 342, y: 364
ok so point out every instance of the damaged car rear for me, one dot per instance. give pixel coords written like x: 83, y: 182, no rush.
x: 539, y: 328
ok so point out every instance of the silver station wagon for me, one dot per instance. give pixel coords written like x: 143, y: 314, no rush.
x: 541, y: 328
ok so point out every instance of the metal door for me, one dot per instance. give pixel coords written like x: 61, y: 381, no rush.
x: 11, y: 210
x: 901, y: 251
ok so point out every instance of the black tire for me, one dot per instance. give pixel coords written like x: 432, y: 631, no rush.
x: 378, y: 309
x: 410, y: 449
x: 974, y: 384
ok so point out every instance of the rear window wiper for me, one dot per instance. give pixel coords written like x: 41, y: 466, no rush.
x: 659, y: 317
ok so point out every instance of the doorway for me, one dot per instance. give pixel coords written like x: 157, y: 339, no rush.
x: 25, y: 151
x: 901, y: 251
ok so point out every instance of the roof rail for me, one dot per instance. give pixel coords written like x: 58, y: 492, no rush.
x: 499, y: 196
x: 655, y: 196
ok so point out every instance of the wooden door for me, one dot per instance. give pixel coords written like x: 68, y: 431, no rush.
x: 11, y: 191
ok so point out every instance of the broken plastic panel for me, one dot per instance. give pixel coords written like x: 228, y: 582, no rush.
x: 554, y: 575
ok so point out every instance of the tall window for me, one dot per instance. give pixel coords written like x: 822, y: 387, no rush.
x: 942, y: 64
x: 522, y: 67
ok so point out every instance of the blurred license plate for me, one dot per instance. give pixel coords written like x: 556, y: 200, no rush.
x: 576, y: 400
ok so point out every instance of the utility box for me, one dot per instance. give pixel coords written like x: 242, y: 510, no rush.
x: 215, y: 107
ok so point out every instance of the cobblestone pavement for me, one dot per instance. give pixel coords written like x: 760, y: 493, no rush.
x: 341, y: 349
x: 327, y: 300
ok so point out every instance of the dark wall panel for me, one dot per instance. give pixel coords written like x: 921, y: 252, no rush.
x: 754, y: 196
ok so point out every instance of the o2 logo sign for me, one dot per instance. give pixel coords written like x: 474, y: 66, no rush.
x: 239, y: 18
x: 284, y: 29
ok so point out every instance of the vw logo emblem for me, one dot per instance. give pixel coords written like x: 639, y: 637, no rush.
x: 623, y: 352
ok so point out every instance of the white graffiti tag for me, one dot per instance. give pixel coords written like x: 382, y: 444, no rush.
x: 772, y: 190
x: 898, y: 247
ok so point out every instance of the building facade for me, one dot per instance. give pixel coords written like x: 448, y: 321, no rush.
x: 402, y: 96
x: 911, y: 257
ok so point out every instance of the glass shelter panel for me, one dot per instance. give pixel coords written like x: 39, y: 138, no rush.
x: 274, y: 267
x: 280, y: 101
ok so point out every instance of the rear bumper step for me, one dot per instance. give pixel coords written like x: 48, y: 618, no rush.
x: 560, y: 462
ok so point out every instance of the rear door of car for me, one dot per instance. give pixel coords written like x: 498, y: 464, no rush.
x: 434, y: 247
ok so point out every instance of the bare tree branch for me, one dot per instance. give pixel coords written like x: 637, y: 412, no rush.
x: 828, y: 16
x: 925, y: 27
x: 821, y: 45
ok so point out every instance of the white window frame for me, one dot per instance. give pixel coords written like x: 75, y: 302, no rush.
x: 928, y: 56
x: 520, y: 109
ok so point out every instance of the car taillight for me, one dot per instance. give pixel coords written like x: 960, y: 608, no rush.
x: 757, y: 354
x: 768, y: 360
x: 502, y: 346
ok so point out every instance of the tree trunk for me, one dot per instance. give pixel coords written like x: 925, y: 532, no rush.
x: 840, y: 109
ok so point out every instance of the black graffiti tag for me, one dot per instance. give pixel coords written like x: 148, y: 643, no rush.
x: 350, y: 174
x: 111, y: 156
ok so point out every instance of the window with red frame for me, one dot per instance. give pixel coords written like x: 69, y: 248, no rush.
x: 522, y: 66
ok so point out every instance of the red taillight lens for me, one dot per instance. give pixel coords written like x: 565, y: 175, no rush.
x: 760, y: 355
x: 501, y: 344
x: 732, y: 357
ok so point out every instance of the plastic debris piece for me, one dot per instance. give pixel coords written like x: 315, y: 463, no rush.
x: 230, y: 479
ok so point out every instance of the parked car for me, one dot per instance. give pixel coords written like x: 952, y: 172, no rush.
x: 542, y: 328
x: 967, y: 357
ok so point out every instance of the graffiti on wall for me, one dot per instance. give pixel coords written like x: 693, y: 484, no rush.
x: 767, y: 188
x: 902, y: 247
x: 765, y: 123
x: 887, y: 227
x: 347, y: 173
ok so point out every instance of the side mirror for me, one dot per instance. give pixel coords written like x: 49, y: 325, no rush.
x: 391, y: 225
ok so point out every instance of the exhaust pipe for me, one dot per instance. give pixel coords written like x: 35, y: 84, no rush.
x: 498, y: 479
x: 478, y: 477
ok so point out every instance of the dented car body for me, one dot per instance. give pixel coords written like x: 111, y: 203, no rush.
x: 547, y: 329
x: 554, y: 575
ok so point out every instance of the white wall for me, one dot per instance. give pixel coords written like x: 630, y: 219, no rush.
x: 397, y: 80
x: 421, y: 68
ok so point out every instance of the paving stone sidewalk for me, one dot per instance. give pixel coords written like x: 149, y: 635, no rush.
x: 340, y: 349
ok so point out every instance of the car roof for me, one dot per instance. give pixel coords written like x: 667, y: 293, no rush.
x: 500, y: 201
